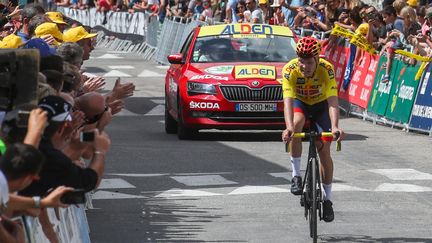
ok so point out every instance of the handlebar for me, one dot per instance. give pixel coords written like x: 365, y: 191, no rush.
x: 316, y: 135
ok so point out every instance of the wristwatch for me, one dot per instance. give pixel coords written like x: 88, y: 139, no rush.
x: 37, y: 202
x: 9, y: 18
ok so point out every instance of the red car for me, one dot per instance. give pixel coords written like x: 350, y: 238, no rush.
x: 228, y: 77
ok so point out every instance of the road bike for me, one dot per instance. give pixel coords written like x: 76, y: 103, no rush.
x: 312, y: 197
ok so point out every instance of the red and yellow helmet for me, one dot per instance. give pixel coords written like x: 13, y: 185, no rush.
x: 308, y: 47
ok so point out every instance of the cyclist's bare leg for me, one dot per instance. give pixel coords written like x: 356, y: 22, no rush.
x: 326, y: 163
x: 296, y: 146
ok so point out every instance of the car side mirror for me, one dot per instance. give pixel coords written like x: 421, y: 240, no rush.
x: 176, y: 59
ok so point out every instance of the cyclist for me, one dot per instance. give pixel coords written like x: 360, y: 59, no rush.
x: 310, y: 91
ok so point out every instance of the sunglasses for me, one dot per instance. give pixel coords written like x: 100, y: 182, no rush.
x: 95, y: 118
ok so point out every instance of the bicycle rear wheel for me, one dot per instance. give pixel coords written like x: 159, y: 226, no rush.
x: 313, y: 209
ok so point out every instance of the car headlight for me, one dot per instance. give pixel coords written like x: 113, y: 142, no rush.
x: 200, y: 88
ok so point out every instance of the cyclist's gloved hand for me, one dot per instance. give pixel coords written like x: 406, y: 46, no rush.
x: 338, y: 133
x: 286, y: 135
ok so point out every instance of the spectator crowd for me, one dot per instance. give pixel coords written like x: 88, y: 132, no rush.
x: 44, y: 156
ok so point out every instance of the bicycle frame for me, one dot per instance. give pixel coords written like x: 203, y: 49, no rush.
x: 312, y: 195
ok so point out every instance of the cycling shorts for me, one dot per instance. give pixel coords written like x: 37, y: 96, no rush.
x: 317, y: 114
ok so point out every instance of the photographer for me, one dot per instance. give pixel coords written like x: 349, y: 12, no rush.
x: 59, y: 169
x: 19, y: 166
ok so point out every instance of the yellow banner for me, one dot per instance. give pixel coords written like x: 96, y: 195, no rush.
x: 412, y: 55
x: 361, y: 42
x: 342, y: 32
x: 245, y: 29
x: 423, y: 59
x: 355, y: 39
x: 254, y: 71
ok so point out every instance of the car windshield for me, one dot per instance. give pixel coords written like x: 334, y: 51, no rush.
x: 230, y: 49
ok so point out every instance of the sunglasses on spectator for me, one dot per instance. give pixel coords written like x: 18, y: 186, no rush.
x: 95, y: 118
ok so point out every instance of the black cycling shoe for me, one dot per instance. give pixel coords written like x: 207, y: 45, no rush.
x: 296, y: 185
x: 328, y: 214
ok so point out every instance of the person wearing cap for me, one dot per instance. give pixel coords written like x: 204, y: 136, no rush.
x: 51, y: 29
x: 82, y: 37
x: 44, y: 49
x: 256, y: 13
x: 57, y: 18
x: 278, y: 16
x: 263, y: 5
x: 11, y: 41
x: 412, y: 3
x: 59, y: 169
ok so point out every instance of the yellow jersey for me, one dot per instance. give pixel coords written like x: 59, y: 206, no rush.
x: 309, y: 90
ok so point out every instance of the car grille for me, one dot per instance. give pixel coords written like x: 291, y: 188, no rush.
x: 244, y: 93
x: 247, y: 117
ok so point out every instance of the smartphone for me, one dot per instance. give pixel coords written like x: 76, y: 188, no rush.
x: 76, y: 196
x: 22, y: 118
x: 87, y: 136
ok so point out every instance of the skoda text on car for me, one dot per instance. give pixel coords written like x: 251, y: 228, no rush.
x: 228, y: 77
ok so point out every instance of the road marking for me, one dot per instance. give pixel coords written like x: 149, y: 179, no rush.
x: 203, y: 180
x: 403, y: 174
x: 90, y: 75
x: 285, y: 175
x: 186, y: 193
x: 159, y: 110
x: 99, y: 195
x: 116, y: 73
x: 389, y: 187
x: 114, y: 184
x: 122, y: 67
x: 126, y: 112
x: 163, y: 67
x: 257, y: 190
x: 337, y: 187
x: 109, y: 56
x: 137, y: 175
x: 158, y: 101
x: 148, y: 73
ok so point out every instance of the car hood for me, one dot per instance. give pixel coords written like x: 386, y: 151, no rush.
x: 234, y: 72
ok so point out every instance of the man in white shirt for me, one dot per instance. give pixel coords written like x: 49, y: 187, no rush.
x: 257, y: 15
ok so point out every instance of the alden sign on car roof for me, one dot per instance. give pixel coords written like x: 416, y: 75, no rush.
x: 245, y: 30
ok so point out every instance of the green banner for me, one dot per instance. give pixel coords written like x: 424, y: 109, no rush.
x: 381, y: 91
x: 403, y: 92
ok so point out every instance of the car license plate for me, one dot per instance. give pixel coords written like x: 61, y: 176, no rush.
x: 253, y: 107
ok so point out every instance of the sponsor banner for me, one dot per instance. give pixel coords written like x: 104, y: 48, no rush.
x: 251, y: 30
x: 403, y: 92
x: 360, y: 87
x: 254, y: 71
x: 421, y: 115
x: 381, y: 91
x: 220, y: 69
x: 337, y: 57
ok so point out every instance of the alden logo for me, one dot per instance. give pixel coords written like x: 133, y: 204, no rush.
x: 243, y: 29
x: 255, y: 71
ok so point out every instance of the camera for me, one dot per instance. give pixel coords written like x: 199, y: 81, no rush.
x: 373, y: 16
x: 87, y: 136
x: 76, y: 196
x: 22, y: 118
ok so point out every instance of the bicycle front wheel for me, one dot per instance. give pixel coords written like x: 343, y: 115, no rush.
x: 313, y: 209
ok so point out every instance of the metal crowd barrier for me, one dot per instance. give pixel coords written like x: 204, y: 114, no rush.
x: 174, y: 32
x: 70, y: 225
x: 122, y: 31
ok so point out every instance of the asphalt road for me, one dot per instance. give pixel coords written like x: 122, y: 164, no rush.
x: 234, y: 186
